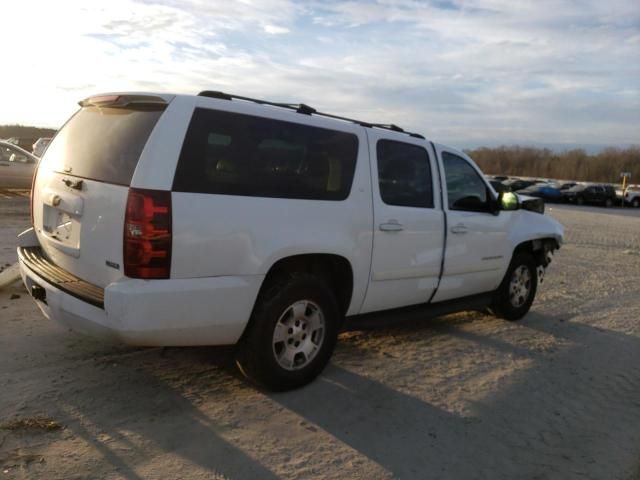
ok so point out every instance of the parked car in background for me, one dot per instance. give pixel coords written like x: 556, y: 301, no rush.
x: 26, y: 143
x: 567, y: 185
x: 592, y: 194
x: 518, y: 184
x: 632, y: 196
x: 499, y: 186
x: 41, y: 145
x: 546, y: 191
x: 16, y: 166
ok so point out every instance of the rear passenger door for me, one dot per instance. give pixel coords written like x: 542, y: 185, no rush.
x: 408, y: 234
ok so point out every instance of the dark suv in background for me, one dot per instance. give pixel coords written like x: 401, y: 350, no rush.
x: 593, y: 194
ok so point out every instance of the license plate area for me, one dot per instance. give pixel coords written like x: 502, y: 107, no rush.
x: 61, y: 226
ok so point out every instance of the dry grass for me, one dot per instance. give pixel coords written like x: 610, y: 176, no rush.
x: 34, y: 423
x: 576, y: 164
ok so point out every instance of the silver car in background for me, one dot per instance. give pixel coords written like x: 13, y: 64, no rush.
x: 16, y: 166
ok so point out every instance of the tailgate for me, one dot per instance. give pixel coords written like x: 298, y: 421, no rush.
x: 81, y: 186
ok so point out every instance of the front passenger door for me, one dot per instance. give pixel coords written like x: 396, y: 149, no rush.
x: 477, y: 252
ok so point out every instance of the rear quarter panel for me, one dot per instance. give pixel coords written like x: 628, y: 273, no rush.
x: 219, y: 235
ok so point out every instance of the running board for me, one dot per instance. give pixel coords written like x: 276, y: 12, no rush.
x: 424, y: 311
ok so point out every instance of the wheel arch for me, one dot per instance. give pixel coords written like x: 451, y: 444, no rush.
x: 540, y: 248
x: 335, y: 270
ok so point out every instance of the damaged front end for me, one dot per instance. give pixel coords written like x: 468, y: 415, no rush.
x: 544, y: 250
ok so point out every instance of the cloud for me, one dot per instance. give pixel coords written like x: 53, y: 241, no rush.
x: 275, y: 30
x: 485, y: 71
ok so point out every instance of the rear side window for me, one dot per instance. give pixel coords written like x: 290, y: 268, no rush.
x: 404, y: 174
x: 233, y: 154
x: 102, y: 143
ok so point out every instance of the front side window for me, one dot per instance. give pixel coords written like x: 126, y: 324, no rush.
x: 404, y: 174
x: 234, y: 154
x: 465, y: 189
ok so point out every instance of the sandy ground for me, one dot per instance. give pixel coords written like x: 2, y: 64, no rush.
x: 555, y: 396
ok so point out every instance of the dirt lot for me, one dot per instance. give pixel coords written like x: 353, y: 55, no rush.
x: 466, y: 396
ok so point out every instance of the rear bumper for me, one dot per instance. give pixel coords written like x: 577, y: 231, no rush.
x: 200, y: 311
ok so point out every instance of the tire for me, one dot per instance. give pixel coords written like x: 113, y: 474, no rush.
x: 579, y: 201
x: 292, y: 333
x: 635, y: 203
x: 514, y: 296
x: 608, y: 203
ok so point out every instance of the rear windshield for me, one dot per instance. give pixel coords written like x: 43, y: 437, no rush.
x: 102, y: 143
x: 234, y: 154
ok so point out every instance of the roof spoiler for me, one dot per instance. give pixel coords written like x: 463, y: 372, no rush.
x: 116, y: 101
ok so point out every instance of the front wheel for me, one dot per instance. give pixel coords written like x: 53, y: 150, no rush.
x: 580, y: 201
x: 608, y: 203
x: 291, y: 334
x: 515, y: 294
x: 635, y: 203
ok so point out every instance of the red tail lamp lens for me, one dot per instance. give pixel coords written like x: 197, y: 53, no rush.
x: 147, y: 234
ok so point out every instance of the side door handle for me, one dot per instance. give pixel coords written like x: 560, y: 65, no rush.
x: 391, y: 226
x: 460, y: 229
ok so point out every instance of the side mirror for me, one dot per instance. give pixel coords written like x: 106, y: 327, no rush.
x: 508, y: 201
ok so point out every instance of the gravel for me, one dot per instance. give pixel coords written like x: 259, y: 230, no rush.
x: 556, y: 395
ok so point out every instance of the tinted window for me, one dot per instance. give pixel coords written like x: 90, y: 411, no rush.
x: 233, y: 154
x: 102, y: 143
x: 404, y: 174
x: 465, y: 189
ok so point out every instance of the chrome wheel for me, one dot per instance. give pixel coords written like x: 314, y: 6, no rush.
x: 298, y: 335
x: 520, y: 286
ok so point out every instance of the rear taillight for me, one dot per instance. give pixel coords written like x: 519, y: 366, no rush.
x: 147, y: 234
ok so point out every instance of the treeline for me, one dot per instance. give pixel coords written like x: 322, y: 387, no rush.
x: 8, y: 131
x: 576, y: 164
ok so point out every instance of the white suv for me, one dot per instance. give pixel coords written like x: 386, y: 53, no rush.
x: 216, y: 219
x: 632, y: 196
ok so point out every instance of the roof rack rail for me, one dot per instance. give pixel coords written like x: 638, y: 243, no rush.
x: 304, y: 109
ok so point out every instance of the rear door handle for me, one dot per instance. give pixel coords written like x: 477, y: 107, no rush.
x: 391, y: 227
x: 459, y: 229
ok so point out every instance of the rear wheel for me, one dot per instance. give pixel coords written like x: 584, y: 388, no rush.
x: 608, y: 203
x: 635, y: 203
x: 515, y: 294
x: 292, y: 333
x: 580, y: 200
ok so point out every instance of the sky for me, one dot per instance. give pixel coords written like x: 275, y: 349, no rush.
x: 467, y: 73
